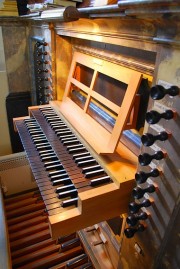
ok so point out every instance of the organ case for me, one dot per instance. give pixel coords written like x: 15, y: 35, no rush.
x: 93, y: 203
x: 159, y: 51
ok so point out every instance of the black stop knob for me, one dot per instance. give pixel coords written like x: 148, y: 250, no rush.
x: 44, y: 88
x: 42, y: 62
x: 153, y: 116
x: 134, y: 207
x: 138, y: 192
x: 40, y: 79
x: 43, y: 79
x: 145, y: 158
x: 43, y: 70
x: 141, y: 176
x: 39, y: 43
x: 132, y: 220
x: 158, y: 92
x: 129, y: 232
x: 39, y: 53
x: 39, y: 71
x: 149, y: 139
x: 47, y: 78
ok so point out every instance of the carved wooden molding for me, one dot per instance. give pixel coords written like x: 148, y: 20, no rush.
x: 117, y: 58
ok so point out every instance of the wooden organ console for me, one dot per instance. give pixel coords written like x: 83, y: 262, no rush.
x: 103, y: 150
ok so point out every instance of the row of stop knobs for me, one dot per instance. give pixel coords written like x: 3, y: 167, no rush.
x: 44, y: 81
x: 152, y: 117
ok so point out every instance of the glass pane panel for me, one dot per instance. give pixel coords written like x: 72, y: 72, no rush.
x: 102, y: 114
x: 110, y: 88
x: 78, y: 96
x: 83, y: 74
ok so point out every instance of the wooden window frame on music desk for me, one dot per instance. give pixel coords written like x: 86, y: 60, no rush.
x: 96, y: 135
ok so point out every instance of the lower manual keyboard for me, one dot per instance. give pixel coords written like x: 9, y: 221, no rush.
x: 61, y: 164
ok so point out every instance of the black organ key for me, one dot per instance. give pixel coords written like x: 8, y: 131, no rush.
x: 58, y: 176
x: 61, y: 129
x: 75, y: 146
x: 32, y: 126
x: 47, y: 147
x: 58, y: 127
x: 58, y: 171
x: 35, y: 131
x: 69, y: 142
x: 57, y: 122
x: 47, y: 164
x: 76, y: 150
x: 81, y: 154
x: 51, y: 114
x: 70, y: 202
x: 37, y: 136
x: 99, y: 181
x: 90, y: 168
x: 64, y: 188
x: 43, y: 144
x: 64, y: 137
x: 36, y: 141
x: 83, y: 158
x: 49, y: 157
x: 53, y: 117
x: 69, y: 193
x: 94, y: 173
x: 51, y: 120
x: 42, y: 152
x: 61, y: 133
x: 87, y: 162
x: 40, y: 143
x: 65, y: 180
x: 54, y: 167
x: 68, y: 139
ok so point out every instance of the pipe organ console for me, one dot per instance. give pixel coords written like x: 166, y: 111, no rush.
x: 100, y: 141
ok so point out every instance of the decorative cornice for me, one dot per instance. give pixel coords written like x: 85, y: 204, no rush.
x: 143, y: 67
